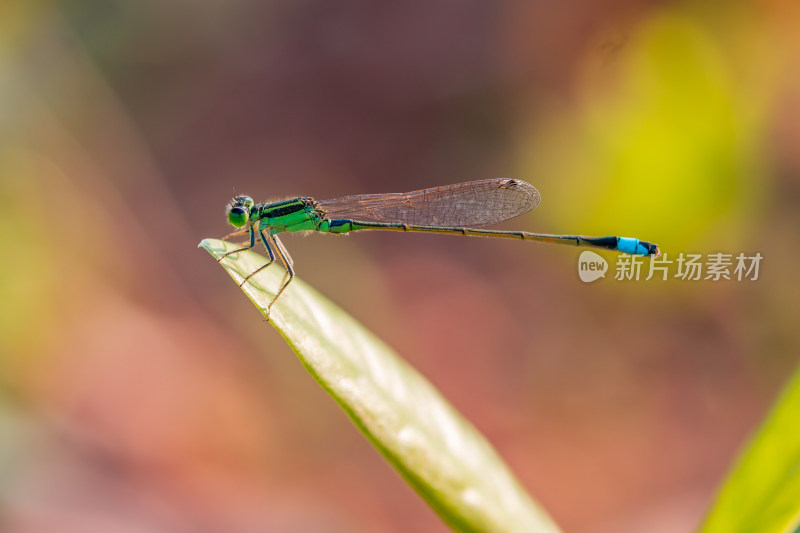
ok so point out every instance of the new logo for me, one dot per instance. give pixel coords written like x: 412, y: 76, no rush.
x: 591, y: 266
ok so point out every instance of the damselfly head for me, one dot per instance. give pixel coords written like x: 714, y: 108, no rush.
x: 239, y: 211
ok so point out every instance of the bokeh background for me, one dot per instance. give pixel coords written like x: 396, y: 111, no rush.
x: 139, y: 389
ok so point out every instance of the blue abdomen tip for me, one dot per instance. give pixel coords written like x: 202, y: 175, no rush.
x: 626, y: 245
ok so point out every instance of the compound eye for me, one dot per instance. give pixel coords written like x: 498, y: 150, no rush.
x: 237, y: 217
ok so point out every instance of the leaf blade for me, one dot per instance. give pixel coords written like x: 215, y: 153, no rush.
x: 439, y: 453
x: 762, y: 491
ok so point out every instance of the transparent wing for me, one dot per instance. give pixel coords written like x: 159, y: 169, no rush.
x: 471, y: 204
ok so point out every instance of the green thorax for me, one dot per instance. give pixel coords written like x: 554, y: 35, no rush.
x: 297, y: 214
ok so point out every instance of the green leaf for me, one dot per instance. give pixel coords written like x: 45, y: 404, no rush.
x: 762, y: 493
x: 440, y: 454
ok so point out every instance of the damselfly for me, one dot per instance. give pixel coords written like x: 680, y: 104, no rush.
x: 459, y: 209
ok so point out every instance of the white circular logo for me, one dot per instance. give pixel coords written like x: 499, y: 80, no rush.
x: 591, y: 266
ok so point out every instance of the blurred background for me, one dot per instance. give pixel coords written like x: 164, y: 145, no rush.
x: 140, y: 391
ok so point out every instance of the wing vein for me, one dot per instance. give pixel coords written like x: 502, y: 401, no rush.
x: 471, y: 204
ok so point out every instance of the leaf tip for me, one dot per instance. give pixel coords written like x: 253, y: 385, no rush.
x: 208, y: 245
